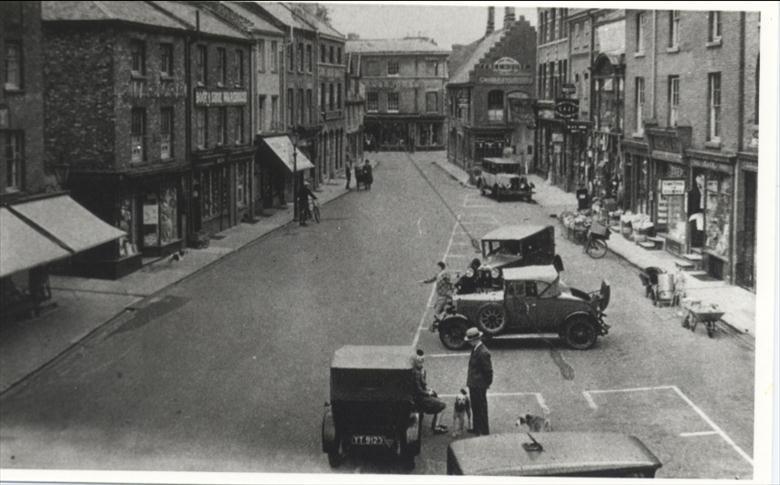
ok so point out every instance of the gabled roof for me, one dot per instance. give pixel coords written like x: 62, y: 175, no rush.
x: 284, y: 15
x: 258, y: 22
x: 209, y: 23
x: 322, y: 27
x: 408, y: 45
x: 136, y: 12
x: 461, y: 74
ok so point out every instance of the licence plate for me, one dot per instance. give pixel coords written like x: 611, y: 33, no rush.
x: 368, y: 440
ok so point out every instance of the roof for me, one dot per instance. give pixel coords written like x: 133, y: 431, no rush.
x: 461, y: 74
x: 322, y: 26
x: 565, y: 453
x: 385, y: 46
x: 137, y: 12
x: 258, y: 22
x: 22, y: 247
x: 209, y: 23
x: 513, y: 232
x: 545, y: 272
x: 461, y: 55
x: 283, y: 14
x: 373, y: 357
x: 502, y: 160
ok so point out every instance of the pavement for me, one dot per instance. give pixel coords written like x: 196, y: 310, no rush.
x: 82, y: 305
x: 740, y: 313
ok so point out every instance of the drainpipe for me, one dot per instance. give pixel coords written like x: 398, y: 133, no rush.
x: 654, y: 66
x: 737, y: 177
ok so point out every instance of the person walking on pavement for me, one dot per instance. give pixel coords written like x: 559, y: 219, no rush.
x: 480, y: 377
x: 368, y: 174
x: 444, y: 289
x: 348, y: 172
x: 303, y: 202
x: 425, y: 398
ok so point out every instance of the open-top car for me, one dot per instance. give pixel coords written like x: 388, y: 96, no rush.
x: 501, y: 177
x: 532, y: 301
x: 371, y: 403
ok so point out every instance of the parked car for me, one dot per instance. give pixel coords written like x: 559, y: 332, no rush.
x: 501, y: 177
x: 532, y: 301
x: 553, y: 454
x: 371, y: 403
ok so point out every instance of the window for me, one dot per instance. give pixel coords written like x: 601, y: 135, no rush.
x: 714, y: 26
x: 260, y: 113
x: 275, y: 113
x: 201, y: 128
x: 674, y: 28
x: 13, y: 65
x: 222, y: 66
x: 713, y: 96
x: 432, y: 102
x: 392, y: 68
x: 137, y: 134
x: 290, y: 111
x: 201, y: 67
x: 301, y: 107
x: 338, y: 55
x: 261, y: 55
x: 300, y: 57
x: 274, y: 56
x: 372, y: 101
x: 323, y: 98
x: 221, y: 125
x: 290, y: 58
x: 554, y: 30
x: 331, y: 97
x: 323, y: 54
x: 392, y: 102
x: 166, y: 133
x: 640, y: 32
x: 309, y: 107
x: 674, y: 99
x: 239, y: 128
x: 166, y: 60
x: 14, y: 150
x: 372, y: 68
x: 239, y: 68
x: 331, y: 57
x: 338, y: 96
x: 496, y: 106
x: 309, y: 59
x: 138, y: 57
x: 640, y: 103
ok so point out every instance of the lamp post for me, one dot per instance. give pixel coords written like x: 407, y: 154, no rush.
x: 294, y: 140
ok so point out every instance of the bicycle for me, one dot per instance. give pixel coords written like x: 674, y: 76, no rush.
x: 596, y: 244
x: 311, y: 211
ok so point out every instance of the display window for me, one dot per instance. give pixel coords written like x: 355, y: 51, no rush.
x: 128, y: 245
x: 717, y: 212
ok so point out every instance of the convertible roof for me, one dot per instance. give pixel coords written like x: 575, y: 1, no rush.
x: 373, y: 357
x: 545, y: 272
x: 513, y: 232
x: 506, y: 161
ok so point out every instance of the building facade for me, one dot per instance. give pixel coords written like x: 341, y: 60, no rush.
x: 404, y: 81
x: 692, y: 134
x: 491, y: 95
x: 355, y: 109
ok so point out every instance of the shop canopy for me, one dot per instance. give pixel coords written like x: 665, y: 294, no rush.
x: 282, y: 147
x: 60, y: 221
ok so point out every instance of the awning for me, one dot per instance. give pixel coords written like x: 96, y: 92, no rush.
x: 283, y: 149
x: 67, y: 222
x: 22, y: 247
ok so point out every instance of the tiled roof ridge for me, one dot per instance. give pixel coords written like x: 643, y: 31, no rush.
x: 104, y: 9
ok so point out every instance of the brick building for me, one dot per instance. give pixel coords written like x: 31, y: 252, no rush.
x: 404, y: 80
x: 355, y: 109
x: 692, y: 134
x: 490, y: 94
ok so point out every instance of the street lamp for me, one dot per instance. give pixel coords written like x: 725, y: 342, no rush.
x: 294, y: 139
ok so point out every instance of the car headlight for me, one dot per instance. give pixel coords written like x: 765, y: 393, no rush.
x: 495, y: 273
x: 470, y: 273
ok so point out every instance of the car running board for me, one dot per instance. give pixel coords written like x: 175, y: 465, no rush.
x: 525, y: 336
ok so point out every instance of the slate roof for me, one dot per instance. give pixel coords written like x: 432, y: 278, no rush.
x: 483, y: 45
x: 322, y: 27
x: 258, y: 22
x: 137, y: 12
x: 209, y: 23
x: 285, y: 15
x: 405, y: 46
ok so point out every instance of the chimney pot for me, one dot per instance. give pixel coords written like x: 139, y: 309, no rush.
x: 491, y: 21
x: 509, y: 16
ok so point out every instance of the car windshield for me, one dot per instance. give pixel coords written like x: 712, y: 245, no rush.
x: 511, y: 248
x: 510, y: 168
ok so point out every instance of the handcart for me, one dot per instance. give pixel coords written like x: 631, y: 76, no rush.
x: 697, y: 313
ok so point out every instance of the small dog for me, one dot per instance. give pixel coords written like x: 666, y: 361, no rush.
x: 535, y: 423
x: 461, y: 411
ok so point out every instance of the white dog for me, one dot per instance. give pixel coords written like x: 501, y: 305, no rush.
x: 460, y: 412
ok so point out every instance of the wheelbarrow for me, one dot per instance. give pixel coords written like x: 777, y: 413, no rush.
x: 696, y: 313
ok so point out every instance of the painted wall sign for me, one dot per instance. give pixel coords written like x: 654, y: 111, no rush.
x: 673, y: 187
x: 506, y: 80
x: 220, y: 98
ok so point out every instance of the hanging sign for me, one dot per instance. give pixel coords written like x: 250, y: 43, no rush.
x: 567, y: 108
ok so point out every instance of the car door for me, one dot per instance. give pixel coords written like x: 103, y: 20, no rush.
x: 516, y: 305
x: 543, y: 306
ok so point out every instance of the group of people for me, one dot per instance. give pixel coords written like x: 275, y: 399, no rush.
x: 364, y: 174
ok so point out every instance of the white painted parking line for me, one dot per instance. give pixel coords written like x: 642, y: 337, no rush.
x: 698, y: 433
x: 715, y: 428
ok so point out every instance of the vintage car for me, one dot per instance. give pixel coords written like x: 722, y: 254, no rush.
x: 371, y: 403
x: 501, y: 177
x: 532, y: 302
x: 509, y: 247
x: 553, y: 454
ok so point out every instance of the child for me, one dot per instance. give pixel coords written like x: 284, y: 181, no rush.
x: 461, y: 410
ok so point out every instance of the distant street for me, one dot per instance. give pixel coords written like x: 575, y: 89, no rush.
x: 228, y: 370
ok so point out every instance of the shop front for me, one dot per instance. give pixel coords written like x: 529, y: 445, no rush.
x: 286, y: 165
x: 745, y: 221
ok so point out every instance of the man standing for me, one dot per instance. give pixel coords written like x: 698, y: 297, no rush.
x: 348, y: 172
x: 480, y: 377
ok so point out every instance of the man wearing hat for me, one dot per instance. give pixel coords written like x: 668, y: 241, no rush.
x: 480, y: 377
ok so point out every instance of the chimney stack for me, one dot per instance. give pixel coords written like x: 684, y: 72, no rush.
x: 491, y: 22
x: 509, y: 16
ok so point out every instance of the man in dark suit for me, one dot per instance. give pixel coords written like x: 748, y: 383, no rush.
x: 480, y: 377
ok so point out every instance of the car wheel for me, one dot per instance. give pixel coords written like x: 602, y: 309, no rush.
x: 580, y: 333
x: 452, y: 332
x: 334, y: 457
x: 492, y: 319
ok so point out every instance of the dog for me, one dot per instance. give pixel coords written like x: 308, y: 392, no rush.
x: 461, y: 411
x: 535, y: 423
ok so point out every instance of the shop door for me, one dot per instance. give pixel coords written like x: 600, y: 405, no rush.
x: 745, y: 270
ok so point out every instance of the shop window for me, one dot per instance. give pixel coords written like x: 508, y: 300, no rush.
x: 137, y: 135
x: 151, y: 221
x: 202, y: 65
x: 496, y: 105
x: 674, y: 99
x: 392, y: 102
x: 169, y: 230
x: 717, y: 214
x: 128, y: 245
x: 14, y: 160
x: 166, y: 60
x: 392, y: 68
x: 138, y: 57
x: 242, y: 194
x: 201, y: 128
x: 13, y: 65
x: 713, y: 96
x: 210, y: 197
x: 221, y: 67
x: 166, y: 133
x: 372, y: 101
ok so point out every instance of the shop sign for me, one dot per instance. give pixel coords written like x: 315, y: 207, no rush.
x: 506, y: 80
x: 568, y: 88
x: 577, y: 126
x: 151, y: 214
x: 220, y: 98
x: 567, y: 108
x: 557, y: 137
x: 673, y: 187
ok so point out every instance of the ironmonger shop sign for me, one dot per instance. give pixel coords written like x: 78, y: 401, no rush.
x: 220, y: 98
